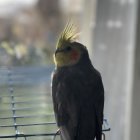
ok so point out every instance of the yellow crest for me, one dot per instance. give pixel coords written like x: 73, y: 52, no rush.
x: 69, y: 34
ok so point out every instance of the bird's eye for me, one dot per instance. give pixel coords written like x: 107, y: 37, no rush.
x: 68, y: 48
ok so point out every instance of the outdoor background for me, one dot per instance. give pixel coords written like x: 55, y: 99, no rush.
x: 28, y: 33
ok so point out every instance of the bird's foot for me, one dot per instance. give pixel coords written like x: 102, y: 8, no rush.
x: 103, y: 136
x: 57, y: 133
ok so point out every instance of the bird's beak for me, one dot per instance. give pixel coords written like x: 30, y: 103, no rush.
x: 58, y: 50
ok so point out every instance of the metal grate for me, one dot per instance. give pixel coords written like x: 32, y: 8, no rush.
x: 25, y: 105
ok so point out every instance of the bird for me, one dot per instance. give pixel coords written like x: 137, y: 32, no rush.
x: 77, y: 89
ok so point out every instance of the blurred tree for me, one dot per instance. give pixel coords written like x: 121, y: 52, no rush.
x: 51, y: 16
x: 49, y: 8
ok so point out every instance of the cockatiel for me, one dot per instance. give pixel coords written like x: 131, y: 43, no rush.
x: 77, y: 90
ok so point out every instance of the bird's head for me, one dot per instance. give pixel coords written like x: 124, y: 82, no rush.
x: 68, y: 51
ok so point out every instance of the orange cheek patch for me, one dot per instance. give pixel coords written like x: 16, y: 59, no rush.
x: 74, y: 55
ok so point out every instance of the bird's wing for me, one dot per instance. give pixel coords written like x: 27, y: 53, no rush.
x: 98, y: 103
x: 90, y: 116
